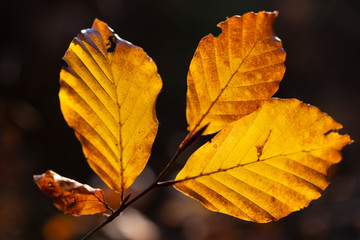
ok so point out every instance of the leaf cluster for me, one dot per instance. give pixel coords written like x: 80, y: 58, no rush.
x: 269, y: 157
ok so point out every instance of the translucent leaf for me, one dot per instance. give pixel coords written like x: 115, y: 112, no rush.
x: 108, y: 93
x: 231, y: 75
x: 70, y: 196
x: 267, y: 164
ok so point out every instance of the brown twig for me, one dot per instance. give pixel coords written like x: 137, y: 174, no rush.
x: 189, y: 141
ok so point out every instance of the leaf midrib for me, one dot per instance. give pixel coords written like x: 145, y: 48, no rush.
x: 114, y: 87
x: 249, y: 163
x: 226, y: 85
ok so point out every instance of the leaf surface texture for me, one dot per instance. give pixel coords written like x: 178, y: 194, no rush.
x: 107, y: 95
x: 231, y: 75
x: 267, y: 164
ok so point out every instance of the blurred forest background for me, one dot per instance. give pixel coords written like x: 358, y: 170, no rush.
x: 321, y: 37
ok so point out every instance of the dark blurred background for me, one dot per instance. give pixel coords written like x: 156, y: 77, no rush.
x: 321, y: 38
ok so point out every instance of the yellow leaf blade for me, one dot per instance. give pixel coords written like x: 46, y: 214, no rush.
x: 107, y: 95
x: 267, y: 164
x: 231, y: 75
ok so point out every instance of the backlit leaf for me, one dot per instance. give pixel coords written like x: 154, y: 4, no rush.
x: 70, y: 196
x: 107, y: 95
x: 233, y: 74
x: 267, y: 164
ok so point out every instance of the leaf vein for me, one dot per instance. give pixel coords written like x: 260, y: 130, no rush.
x: 75, y: 94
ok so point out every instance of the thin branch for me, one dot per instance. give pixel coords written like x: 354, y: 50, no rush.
x: 109, y: 219
x: 188, y: 141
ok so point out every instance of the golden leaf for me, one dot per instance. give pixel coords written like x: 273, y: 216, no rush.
x: 107, y: 95
x: 70, y: 196
x: 267, y: 164
x: 231, y: 75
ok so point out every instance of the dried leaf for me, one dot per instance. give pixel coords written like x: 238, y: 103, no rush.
x: 70, y: 196
x: 267, y: 164
x: 232, y: 75
x: 108, y: 93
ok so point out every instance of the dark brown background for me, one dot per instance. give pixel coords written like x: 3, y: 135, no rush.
x: 321, y: 38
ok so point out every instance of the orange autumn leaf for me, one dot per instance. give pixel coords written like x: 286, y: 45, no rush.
x: 107, y: 95
x: 233, y: 74
x: 70, y: 196
x: 266, y: 165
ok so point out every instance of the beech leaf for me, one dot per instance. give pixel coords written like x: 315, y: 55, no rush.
x: 107, y: 95
x: 233, y: 74
x: 70, y: 196
x: 266, y: 165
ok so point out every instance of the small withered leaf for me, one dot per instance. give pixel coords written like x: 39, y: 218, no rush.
x: 71, y: 196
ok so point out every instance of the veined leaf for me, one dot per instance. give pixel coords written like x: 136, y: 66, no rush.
x: 107, y: 95
x: 231, y: 75
x: 70, y: 196
x: 267, y: 164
